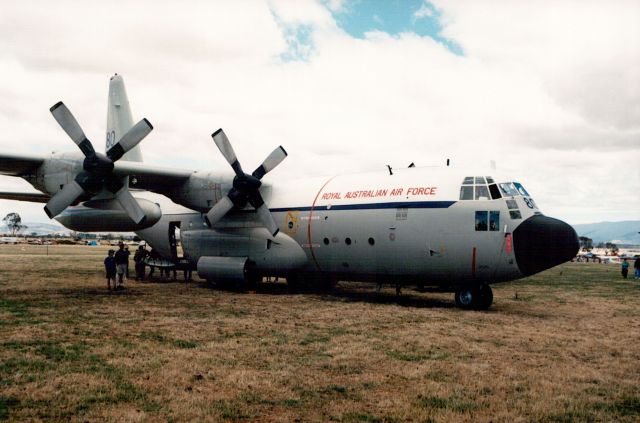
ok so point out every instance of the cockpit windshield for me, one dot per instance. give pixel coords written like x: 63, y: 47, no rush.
x: 521, y: 189
x: 513, y: 189
x: 479, y: 188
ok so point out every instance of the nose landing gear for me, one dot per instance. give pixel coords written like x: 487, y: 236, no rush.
x: 478, y: 297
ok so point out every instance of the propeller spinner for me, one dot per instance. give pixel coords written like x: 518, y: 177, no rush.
x: 245, y: 187
x: 97, y: 168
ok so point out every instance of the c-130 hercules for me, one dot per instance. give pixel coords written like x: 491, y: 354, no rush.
x: 445, y: 228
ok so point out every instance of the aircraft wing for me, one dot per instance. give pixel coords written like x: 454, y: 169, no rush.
x: 19, y: 164
x: 152, y: 178
x: 141, y: 175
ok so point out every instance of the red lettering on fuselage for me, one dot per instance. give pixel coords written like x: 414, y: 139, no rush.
x: 421, y: 191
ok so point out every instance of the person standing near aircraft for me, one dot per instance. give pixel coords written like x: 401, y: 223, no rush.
x: 110, y: 268
x: 636, y: 268
x: 122, y: 262
x: 138, y: 258
x: 625, y: 268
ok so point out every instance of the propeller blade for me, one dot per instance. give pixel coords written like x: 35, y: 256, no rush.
x: 130, y: 139
x: 267, y: 219
x: 218, y: 210
x: 221, y: 140
x: 274, y: 159
x: 63, y: 199
x: 70, y: 125
x: 263, y: 212
x: 130, y: 205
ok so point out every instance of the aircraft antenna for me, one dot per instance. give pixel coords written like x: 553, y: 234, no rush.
x: 390, y: 170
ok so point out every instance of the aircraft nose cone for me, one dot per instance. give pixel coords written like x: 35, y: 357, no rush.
x: 541, y: 242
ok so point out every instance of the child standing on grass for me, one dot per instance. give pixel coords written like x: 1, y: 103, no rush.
x: 110, y: 267
x: 625, y: 268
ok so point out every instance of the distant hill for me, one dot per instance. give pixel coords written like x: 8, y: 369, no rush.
x: 625, y: 232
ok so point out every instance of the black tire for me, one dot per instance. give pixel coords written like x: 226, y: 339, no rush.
x: 474, y: 298
x: 466, y: 298
x: 485, y: 299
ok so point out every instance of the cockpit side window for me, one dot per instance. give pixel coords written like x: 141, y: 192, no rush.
x: 481, y: 221
x: 495, y: 192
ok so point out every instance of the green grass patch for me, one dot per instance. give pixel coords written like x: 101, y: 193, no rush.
x: 313, y: 337
x: 6, y: 403
x: 626, y: 406
x: 415, y: 355
x: 454, y: 404
x: 183, y: 343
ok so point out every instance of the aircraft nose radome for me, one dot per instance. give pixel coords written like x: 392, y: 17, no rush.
x: 541, y: 242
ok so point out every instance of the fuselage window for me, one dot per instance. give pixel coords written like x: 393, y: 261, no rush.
x: 480, y: 180
x: 494, y: 220
x: 468, y: 180
x: 512, y: 205
x: 515, y: 214
x: 482, y: 192
x: 490, y: 180
x: 481, y: 221
x: 495, y: 192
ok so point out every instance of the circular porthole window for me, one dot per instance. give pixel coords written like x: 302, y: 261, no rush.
x: 326, y: 241
x: 347, y: 241
x: 372, y: 241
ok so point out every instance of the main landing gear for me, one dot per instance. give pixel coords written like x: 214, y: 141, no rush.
x: 477, y: 297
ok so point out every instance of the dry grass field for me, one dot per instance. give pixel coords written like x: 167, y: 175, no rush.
x: 561, y: 346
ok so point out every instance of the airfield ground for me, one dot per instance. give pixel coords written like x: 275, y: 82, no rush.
x: 561, y: 346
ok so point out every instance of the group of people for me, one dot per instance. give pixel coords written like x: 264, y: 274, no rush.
x: 636, y: 268
x: 116, y: 265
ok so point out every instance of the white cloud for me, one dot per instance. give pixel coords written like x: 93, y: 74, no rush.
x: 425, y: 11
x: 548, y: 90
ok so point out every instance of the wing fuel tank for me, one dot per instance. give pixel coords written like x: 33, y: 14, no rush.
x: 108, y: 216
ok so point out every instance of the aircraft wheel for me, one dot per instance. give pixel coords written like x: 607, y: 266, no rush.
x: 474, y: 298
x: 466, y: 298
x: 294, y: 282
x: 485, y: 299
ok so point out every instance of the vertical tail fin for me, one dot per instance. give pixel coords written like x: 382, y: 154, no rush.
x: 119, y: 119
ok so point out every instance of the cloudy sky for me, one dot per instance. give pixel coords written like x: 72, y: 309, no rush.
x: 550, y: 90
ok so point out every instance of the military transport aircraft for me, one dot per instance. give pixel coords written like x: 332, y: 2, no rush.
x: 449, y: 229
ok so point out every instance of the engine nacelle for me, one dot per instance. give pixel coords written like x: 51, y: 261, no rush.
x: 232, y: 269
x: 107, y: 216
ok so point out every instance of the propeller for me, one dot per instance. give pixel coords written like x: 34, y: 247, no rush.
x: 245, y: 187
x: 97, y: 170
